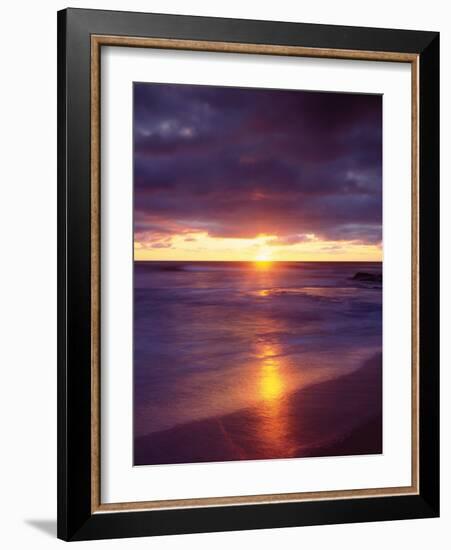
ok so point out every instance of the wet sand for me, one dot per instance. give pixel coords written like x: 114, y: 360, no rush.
x: 339, y: 417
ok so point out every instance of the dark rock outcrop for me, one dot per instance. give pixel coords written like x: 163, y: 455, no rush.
x: 368, y: 277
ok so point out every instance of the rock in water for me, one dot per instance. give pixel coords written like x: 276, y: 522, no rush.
x: 368, y: 277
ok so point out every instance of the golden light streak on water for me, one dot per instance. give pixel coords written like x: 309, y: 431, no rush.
x: 263, y: 265
x: 272, y: 390
x: 271, y: 384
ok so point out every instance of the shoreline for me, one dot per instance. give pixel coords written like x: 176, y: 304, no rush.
x: 338, y: 417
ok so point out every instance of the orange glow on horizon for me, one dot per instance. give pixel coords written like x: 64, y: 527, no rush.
x: 263, y: 249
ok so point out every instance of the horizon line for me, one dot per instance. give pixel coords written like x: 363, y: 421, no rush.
x: 268, y: 261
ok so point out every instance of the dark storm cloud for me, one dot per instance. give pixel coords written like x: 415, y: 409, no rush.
x: 239, y: 162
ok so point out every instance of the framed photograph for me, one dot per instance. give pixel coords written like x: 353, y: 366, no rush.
x: 248, y: 274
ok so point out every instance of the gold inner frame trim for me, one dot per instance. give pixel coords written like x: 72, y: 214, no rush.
x: 97, y: 41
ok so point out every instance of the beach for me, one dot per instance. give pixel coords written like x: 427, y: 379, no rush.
x: 238, y: 361
x: 338, y: 417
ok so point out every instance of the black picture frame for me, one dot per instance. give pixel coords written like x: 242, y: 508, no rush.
x: 76, y: 521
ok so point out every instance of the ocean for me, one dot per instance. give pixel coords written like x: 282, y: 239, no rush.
x: 245, y: 360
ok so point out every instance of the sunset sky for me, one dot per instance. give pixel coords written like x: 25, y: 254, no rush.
x: 253, y: 174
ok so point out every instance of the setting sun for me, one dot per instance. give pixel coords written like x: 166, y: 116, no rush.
x: 263, y: 256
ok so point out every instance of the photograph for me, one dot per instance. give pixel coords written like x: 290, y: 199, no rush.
x: 257, y: 276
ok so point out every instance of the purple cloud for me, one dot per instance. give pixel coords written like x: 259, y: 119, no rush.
x: 236, y: 162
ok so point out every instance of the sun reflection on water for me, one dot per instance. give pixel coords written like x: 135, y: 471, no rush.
x: 263, y: 265
x: 264, y: 292
x: 273, y: 410
x: 271, y: 382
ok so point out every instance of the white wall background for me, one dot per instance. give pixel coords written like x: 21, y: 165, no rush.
x: 28, y: 273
